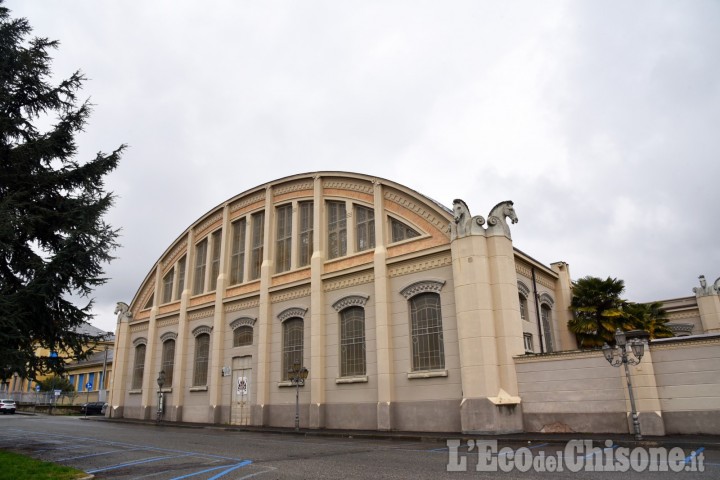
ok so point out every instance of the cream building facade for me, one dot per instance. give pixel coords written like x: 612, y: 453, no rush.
x: 408, y: 315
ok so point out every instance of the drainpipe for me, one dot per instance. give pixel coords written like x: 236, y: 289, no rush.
x: 537, y: 311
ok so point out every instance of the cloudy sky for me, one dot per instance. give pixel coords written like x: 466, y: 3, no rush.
x: 599, y: 119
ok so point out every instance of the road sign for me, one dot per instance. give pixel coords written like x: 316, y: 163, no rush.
x: 57, y: 392
x: 37, y: 388
x: 88, y: 386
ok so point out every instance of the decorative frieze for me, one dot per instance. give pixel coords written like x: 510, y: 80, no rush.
x: 290, y: 294
x: 139, y: 328
x: 291, y: 313
x: 243, y: 321
x: 247, y: 201
x: 213, y: 219
x: 201, y: 329
x: 168, y: 336
x: 204, y: 313
x: 293, y: 187
x: 350, y: 301
x: 242, y: 305
x: 440, y: 222
x: 179, y: 249
x: 346, y: 282
x: 679, y: 316
x: 354, y: 186
x: 421, y: 287
x: 165, y: 322
x: 421, y: 265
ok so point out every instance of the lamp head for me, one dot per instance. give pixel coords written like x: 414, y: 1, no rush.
x: 607, y: 352
x: 620, y: 338
x: 638, y: 348
x: 161, y: 379
x: 304, y: 373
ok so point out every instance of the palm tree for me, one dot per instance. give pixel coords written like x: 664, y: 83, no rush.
x: 650, y: 317
x: 597, y: 311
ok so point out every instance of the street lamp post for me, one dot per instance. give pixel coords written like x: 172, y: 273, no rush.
x: 619, y: 356
x: 160, y: 382
x: 297, y: 376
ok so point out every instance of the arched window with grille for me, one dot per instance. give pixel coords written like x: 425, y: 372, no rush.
x: 202, y: 355
x: 168, y: 360
x: 428, y: 351
x: 352, y: 341
x: 292, y: 345
x: 138, y: 366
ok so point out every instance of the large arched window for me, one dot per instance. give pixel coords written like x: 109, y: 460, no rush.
x: 168, y: 360
x: 202, y: 354
x: 352, y: 341
x: 292, y: 346
x: 428, y: 351
x: 138, y: 366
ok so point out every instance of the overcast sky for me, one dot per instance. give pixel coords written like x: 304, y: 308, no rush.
x: 599, y: 119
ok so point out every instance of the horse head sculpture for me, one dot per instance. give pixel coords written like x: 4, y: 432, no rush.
x: 463, y: 223
x: 498, y: 214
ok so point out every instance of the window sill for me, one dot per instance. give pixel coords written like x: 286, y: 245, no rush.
x: 135, y: 391
x: 354, y: 379
x: 288, y: 383
x: 427, y: 374
x: 199, y: 389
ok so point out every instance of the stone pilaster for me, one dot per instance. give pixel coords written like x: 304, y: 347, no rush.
x: 181, y: 362
x: 149, y: 387
x: 562, y: 313
x: 217, y: 344
x: 709, y: 306
x: 265, y: 320
x: 647, y: 399
x: 317, y: 367
x: 119, y: 375
x: 383, y: 315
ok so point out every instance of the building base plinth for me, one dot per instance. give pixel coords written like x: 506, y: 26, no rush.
x: 482, y: 416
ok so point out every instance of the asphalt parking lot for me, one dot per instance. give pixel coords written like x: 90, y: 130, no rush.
x: 133, y: 451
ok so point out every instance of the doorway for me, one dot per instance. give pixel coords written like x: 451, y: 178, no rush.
x: 240, y: 410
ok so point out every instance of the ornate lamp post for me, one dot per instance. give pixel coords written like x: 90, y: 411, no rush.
x: 297, y: 376
x: 619, y: 356
x: 160, y: 382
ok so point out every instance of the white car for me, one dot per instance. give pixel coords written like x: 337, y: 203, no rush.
x: 7, y: 405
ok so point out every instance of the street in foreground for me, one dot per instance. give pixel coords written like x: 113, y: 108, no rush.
x: 125, y: 451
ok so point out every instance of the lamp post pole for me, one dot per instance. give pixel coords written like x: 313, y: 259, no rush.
x: 297, y: 376
x: 160, y: 382
x: 619, y: 356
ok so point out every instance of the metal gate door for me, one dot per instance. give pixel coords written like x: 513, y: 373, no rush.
x: 241, y: 384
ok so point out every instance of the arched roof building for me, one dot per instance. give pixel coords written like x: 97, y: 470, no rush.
x: 407, y: 314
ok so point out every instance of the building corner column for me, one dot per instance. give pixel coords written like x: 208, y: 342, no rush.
x: 149, y: 387
x: 383, y: 317
x: 563, y: 300
x: 216, y: 413
x: 118, y: 378
x: 318, y: 338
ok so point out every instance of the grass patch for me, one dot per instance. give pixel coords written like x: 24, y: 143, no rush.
x: 19, y: 467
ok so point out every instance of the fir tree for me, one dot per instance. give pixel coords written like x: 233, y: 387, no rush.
x: 53, y: 240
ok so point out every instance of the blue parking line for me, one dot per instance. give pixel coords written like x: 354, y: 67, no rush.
x: 97, y: 454
x: 199, y: 473
x: 693, y: 455
x: 138, y: 462
x: 231, y: 469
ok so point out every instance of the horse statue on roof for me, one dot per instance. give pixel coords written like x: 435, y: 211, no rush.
x: 463, y: 223
x: 122, y: 310
x: 496, y: 220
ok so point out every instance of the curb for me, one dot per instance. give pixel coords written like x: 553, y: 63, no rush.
x: 709, y: 442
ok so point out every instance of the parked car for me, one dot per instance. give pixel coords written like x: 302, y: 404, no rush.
x: 7, y: 405
x: 92, y: 408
